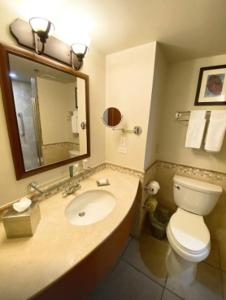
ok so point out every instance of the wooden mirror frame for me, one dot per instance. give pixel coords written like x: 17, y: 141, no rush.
x: 10, y: 111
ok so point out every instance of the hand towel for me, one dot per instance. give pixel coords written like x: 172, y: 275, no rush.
x: 74, y: 122
x: 196, y: 127
x: 216, y: 131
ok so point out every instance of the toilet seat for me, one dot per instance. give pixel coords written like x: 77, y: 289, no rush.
x: 188, y: 235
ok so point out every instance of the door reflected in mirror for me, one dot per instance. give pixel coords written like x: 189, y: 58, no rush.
x: 112, y: 117
x: 50, y: 106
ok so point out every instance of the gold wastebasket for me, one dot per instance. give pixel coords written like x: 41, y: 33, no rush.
x: 21, y: 224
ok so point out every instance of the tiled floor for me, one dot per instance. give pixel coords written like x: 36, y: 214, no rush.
x: 141, y: 274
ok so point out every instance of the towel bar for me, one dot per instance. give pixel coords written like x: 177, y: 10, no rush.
x: 185, y: 115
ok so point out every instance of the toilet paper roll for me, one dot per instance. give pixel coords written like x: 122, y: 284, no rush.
x: 153, y: 187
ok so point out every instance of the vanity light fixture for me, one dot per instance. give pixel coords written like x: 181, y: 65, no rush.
x: 79, y: 49
x: 34, y: 35
x: 42, y: 29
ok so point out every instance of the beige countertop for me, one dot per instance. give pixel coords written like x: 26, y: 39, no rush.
x: 28, y: 265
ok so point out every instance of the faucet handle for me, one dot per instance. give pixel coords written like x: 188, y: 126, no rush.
x: 70, y: 189
x: 32, y: 186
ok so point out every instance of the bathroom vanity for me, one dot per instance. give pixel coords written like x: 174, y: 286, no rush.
x: 47, y: 112
x: 65, y: 261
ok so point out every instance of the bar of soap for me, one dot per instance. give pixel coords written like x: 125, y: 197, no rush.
x: 103, y: 181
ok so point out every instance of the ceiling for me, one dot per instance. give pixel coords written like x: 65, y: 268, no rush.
x: 186, y: 28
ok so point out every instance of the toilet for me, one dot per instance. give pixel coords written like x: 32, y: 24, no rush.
x: 187, y: 233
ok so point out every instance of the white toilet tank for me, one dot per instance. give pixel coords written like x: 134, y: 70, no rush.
x: 196, y: 196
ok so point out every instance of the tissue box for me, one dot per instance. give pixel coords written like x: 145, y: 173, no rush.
x: 21, y: 224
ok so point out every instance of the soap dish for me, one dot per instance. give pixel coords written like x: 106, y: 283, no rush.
x: 103, y: 182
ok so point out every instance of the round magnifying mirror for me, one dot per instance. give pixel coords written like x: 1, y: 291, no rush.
x: 112, y: 117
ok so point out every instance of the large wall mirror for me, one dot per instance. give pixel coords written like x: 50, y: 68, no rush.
x: 47, y: 111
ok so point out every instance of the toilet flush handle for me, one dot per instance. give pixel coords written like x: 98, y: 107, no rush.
x: 177, y: 187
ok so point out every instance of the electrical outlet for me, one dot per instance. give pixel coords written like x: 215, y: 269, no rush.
x: 122, y: 150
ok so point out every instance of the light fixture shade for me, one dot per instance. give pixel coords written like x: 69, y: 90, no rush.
x: 41, y: 25
x: 79, y: 49
x: 81, y: 44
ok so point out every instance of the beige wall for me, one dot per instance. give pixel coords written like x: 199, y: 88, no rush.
x: 155, y: 108
x: 179, y: 95
x: 52, y: 153
x: 129, y: 78
x: 55, y: 104
x: 94, y: 66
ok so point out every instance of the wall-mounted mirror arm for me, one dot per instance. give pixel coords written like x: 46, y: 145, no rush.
x: 136, y: 130
x: 113, y: 118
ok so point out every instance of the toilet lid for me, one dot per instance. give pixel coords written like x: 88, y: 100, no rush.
x: 189, y: 230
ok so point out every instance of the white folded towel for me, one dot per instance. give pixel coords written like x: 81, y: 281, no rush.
x: 22, y: 204
x: 196, y: 127
x: 216, y: 131
x: 74, y: 122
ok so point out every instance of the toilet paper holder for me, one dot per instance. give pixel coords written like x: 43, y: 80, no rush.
x: 152, y: 188
x: 148, y: 189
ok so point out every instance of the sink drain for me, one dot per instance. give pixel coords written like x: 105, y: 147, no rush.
x: 81, y: 214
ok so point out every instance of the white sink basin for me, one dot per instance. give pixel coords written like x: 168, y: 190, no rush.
x: 90, y: 207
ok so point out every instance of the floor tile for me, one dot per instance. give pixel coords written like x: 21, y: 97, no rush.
x: 222, y: 246
x: 167, y: 295
x: 126, y: 283
x: 206, y: 287
x: 148, y: 256
x: 125, y: 246
x: 214, y: 257
x: 224, y: 284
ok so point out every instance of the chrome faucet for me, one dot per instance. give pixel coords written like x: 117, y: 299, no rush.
x: 71, y: 188
x: 34, y: 186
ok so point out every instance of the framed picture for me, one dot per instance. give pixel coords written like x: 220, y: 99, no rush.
x: 211, y: 88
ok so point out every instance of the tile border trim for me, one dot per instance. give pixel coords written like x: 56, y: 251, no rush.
x: 58, y: 185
